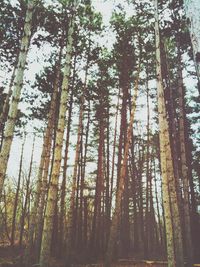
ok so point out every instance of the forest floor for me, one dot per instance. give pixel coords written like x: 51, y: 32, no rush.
x: 12, y: 257
x: 132, y: 263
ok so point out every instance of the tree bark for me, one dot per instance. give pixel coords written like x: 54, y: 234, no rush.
x: 64, y: 179
x: 148, y: 177
x: 6, y: 103
x: 95, y: 238
x: 17, y: 87
x: 172, y: 216
x: 36, y: 210
x: 47, y: 158
x: 113, y: 154
x: 52, y: 194
x: 184, y: 168
x: 71, y: 222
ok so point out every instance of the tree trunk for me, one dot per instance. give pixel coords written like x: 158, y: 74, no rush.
x: 52, y: 194
x: 113, y: 154
x: 84, y: 204
x: 27, y: 196
x: 17, y: 86
x: 148, y: 178
x: 172, y: 120
x: 172, y: 216
x: 184, y: 168
x: 17, y: 195
x: 47, y: 160
x: 4, y: 113
x: 120, y: 189
x: 71, y: 222
x: 160, y: 227
x: 95, y: 238
x: 63, y: 186
x: 36, y: 210
x: 108, y: 197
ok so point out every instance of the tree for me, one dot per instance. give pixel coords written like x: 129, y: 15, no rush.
x: 173, y: 227
x: 121, y: 181
x: 17, y: 86
x: 17, y: 194
x: 52, y: 193
x: 115, y: 179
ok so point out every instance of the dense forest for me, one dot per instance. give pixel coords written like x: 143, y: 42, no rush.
x: 99, y: 133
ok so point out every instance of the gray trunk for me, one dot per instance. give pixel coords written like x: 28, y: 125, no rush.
x: 16, y: 92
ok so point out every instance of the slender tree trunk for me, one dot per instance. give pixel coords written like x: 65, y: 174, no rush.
x: 107, y: 200
x: 41, y: 204
x: 79, y: 236
x: 120, y: 189
x: 170, y: 106
x: 75, y: 184
x: 27, y: 196
x: 52, y: 194
x: 138, y: 172
x: 184, y: 168
x: 114, y: 150
x: 47, y: 161
x: 160, y: 227
x: 134, y: 203
x: 172, y: 216
x: 63, y: 186
x: 84, y: 205
x: 17, y: 86
x: 98, y: 193
x: 5, y: 216
x: 194, y: 214
x: 148, y: 178
x: 43, y: 169
x: 71, y: 222
x: 6, y: 103
x: 17, y: 195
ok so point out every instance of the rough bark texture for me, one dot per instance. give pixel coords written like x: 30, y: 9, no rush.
x: 52, y: 194
x: 17, y: 86
x: 62, y: 220
x: 172, y: 217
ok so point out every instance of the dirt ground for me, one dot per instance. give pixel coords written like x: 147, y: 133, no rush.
x: 12, y: 257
